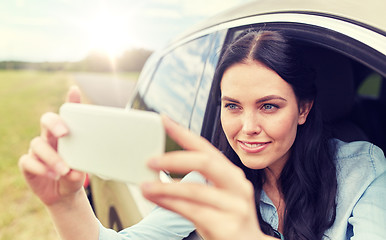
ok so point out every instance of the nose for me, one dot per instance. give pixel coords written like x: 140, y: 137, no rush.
x: 251, y: 124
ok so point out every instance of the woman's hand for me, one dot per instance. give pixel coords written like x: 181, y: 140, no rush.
x: 47, y: 174
x: 225, y: 208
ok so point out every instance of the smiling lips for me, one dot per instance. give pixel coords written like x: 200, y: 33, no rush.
x: 253, y: 147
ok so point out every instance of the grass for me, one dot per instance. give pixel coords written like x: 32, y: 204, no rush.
x: 24, y: 96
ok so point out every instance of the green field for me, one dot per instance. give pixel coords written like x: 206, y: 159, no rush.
x: 24, y: 96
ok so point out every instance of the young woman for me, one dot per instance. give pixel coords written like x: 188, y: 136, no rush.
x: 286, y: 177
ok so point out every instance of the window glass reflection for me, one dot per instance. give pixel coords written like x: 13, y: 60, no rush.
x: 206, y: 83
x: 174, y: 85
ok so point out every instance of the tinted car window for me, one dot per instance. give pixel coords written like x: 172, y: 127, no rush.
x: 206, y: 83
x: 175, y: 82
x: 147, y: 73
x: 371, y: 86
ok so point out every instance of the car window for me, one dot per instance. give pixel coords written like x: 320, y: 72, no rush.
x: 206, y: 83
x: 174, y: 84
x: 371, y: 86
x: 147, y: 73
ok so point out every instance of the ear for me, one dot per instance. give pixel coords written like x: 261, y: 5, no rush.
x: 304, y: 110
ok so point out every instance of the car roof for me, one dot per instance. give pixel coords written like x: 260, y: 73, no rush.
x: 369, y: 13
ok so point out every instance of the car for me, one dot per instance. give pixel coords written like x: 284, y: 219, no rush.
x: 345, y: 42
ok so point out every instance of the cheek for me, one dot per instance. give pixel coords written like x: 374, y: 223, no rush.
x: 283, y: 128
x: 230, y: 125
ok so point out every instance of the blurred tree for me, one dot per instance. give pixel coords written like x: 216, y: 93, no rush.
x: 95, y: 62
x: 133, y: 59
x: 130, y: 61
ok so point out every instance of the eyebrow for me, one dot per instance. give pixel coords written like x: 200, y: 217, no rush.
x: 260, y: 100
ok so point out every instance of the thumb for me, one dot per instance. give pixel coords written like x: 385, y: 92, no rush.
x: 74, y: 95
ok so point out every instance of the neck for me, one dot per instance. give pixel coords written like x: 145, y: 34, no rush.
x: 273, y: 172
x: 272, y: 179
x: 273, y: 190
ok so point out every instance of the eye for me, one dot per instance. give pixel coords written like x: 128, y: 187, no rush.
x: 269, y: 107
x: 231, y: 106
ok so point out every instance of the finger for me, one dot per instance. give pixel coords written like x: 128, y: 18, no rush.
x: 192, y: 211
x: 74, y: 95
x: 75, y: 176
x: 200, y: 194
x: 73, y: 180
x: 49, y: 156
x: 208, y: 167
x: 209, y: 222
x: 31, y: 165
x: 222, y: 174
x: 52, y: 128
x: 212, y: 167
x: 186, y: 139
x: 207, y: 208
x: 212, y: 223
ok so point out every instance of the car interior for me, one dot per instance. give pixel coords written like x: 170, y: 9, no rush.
x: 369, y: 111
x: 354, y: 114
x: 336, y: 92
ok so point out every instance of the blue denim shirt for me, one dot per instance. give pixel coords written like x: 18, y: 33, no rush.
x: 361, y: 202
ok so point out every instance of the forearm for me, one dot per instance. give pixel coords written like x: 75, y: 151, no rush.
x: 74, y: 218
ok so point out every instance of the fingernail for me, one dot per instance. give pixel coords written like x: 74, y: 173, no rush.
x: 153, y: 163
x: 74, y: 88
x: 60, y: 130
x: 62, y: 168
x: 147, y: 186
x: 167, y: 120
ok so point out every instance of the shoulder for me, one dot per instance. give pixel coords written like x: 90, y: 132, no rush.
x: 358, y: 165
x: 361, y: 156
x: 361, y: 169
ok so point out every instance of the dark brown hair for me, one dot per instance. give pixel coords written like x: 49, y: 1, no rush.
x: 308, y: 180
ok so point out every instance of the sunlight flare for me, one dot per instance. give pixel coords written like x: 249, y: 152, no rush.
x: 109, y: 34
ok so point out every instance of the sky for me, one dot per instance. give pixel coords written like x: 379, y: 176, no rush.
x: 67, y: 30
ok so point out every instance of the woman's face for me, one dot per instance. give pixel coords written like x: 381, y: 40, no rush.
x: 259, y: 115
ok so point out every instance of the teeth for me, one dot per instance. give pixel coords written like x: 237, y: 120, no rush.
x: 253, y: 145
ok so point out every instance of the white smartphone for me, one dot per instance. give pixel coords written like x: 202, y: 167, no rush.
x: 113, y: 143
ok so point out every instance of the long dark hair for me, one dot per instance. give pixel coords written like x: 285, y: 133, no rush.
x: 308, y: 180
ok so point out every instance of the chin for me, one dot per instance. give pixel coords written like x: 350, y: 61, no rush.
x: 254, y: 163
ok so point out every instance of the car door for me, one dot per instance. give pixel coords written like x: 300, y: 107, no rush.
x: 175, y: 82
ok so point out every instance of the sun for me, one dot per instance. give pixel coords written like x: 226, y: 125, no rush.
x: 109, y: 34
